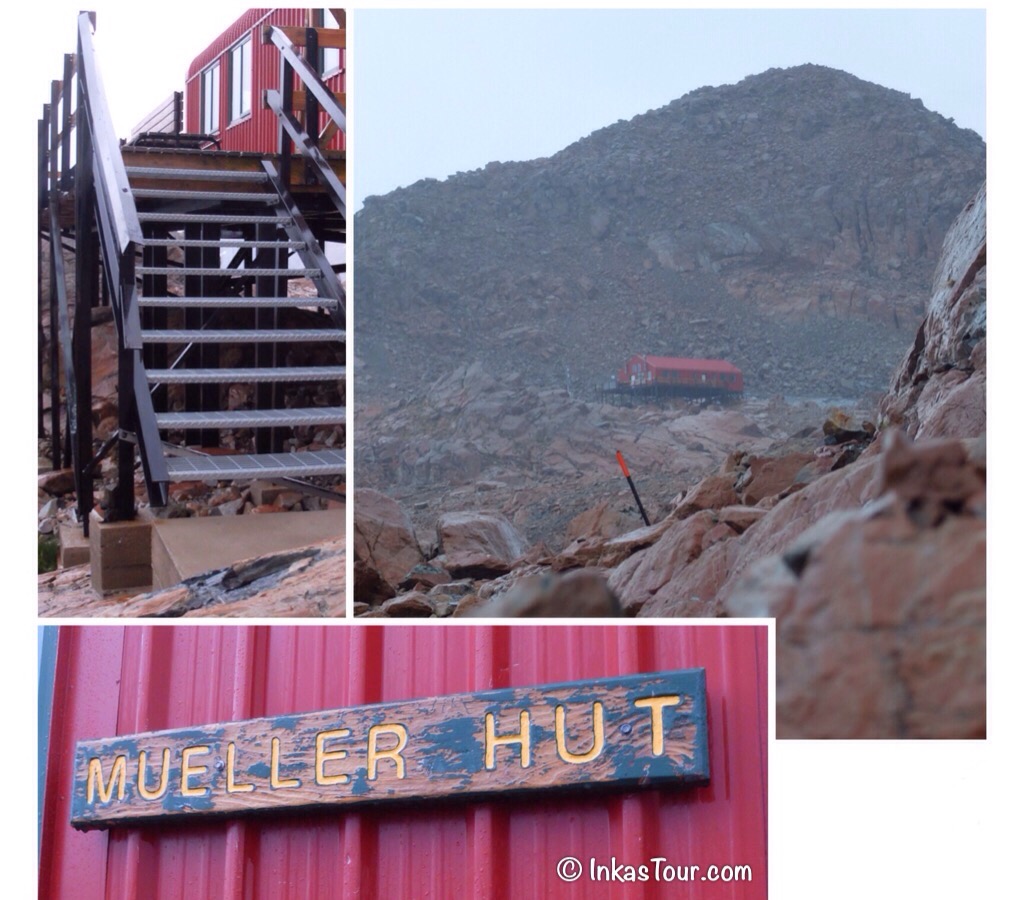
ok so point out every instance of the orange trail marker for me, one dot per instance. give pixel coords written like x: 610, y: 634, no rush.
x: 632, y: 487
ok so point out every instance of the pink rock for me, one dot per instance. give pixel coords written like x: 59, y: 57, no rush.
x: 413, y: 604
x: 713, y: 492
x: 719, y: 532
x: 385, y: 546
x: 880, y: 626
x: 580, y: 593
x: 664, y: 562
x: 693, y: 591
x: 61, y: 481
x: 768, y: 476
x: 740, y: 518
x: 477, y: 543
x: 600, y: 521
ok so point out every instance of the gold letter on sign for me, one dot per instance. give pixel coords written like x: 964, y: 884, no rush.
x: 276, y: 781
x: 236, y: 787
x: 323, y: 756
x: 394, y: 753
x: 657, y: 707
x: 596, y: 748
x: 521, y: 737
x: 188, y: 770
x: 144, y: 791
x: 119, y: 772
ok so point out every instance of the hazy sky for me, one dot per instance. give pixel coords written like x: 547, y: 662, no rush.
x: 433, y: 92
x: 143, y: 50
x: 439, y: 91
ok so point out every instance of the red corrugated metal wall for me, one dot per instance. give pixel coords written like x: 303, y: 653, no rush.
x: 258, y: 132
x: 112, y: 680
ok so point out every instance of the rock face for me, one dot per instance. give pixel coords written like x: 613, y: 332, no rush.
x: 476, y: 544
x: 790, y: 223
x: 940, y: 387
x: 880, y: 611
x: 384, y: 544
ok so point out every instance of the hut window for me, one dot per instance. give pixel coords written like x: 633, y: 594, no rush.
x: 210, y: 99
x: 240, y: 79
x: 330, y: 57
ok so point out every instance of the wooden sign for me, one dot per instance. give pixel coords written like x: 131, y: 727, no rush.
x: 634, y: 730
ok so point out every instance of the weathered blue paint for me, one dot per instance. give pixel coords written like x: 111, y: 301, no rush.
x: 443, y: 754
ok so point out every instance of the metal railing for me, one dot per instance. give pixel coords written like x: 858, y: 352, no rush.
x: 303, y: 137
x: 167, y: 118
x: 106, y: 233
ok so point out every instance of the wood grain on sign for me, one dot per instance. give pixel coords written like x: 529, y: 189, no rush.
x: 634, y: 730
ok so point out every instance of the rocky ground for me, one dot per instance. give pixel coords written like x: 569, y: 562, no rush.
x: 541, y: 457
x: 866, y: 542
x: 307, y: 582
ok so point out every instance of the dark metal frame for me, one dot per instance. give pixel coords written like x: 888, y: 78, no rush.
x: 294, y: 136
x: 107, y: 235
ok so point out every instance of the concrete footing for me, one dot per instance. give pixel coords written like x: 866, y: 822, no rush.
x: 157, y: 553
x: 73, y: 546
x: 120, y: 554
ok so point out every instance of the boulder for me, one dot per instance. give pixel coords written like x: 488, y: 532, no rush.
x: 384, y: 544
x: 601, y: 521
x: 661, y: 569
x: 767, y: 476
x: 580, y: 593
x: 413, y: 604
x: 58, y: 482
x: 880, y: 625
x: 477, y: 544
x: 713, y: 492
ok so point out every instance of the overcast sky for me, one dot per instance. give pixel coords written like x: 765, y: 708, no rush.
x: 441, y: 91
x: 433, y: 92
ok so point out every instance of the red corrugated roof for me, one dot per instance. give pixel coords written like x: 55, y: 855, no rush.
x: 683, y: 364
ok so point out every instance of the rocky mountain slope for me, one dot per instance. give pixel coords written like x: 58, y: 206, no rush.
x: 867, y: 545
x: 790, y: 223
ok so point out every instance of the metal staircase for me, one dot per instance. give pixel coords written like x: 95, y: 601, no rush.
x: 219, y: 250
x: 229, y: 317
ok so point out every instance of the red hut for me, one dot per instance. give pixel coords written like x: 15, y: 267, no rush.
x: 680, y: 375
x: 224, y: 90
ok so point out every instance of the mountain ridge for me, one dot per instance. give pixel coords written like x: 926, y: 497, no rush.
x: 790, y: 219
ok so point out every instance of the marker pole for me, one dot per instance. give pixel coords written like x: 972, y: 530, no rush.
x: 632, y: 487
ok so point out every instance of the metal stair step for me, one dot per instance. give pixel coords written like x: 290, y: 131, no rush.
x: 256, y: 465
x: 213, y: 218
x: 167, y: 194
x: 232, y: 336
x: 226, y: 243
x: 195, y: 174
x: 237, y: 302
x: 253, y: 418
x: 252, y: 376
x: 227, y: 273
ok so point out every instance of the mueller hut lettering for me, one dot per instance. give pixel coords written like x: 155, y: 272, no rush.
x: 635, y: 730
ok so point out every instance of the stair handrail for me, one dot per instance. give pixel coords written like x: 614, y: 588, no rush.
x: 118, y: 219
x: 101, y: 176
x: 305, y: 141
